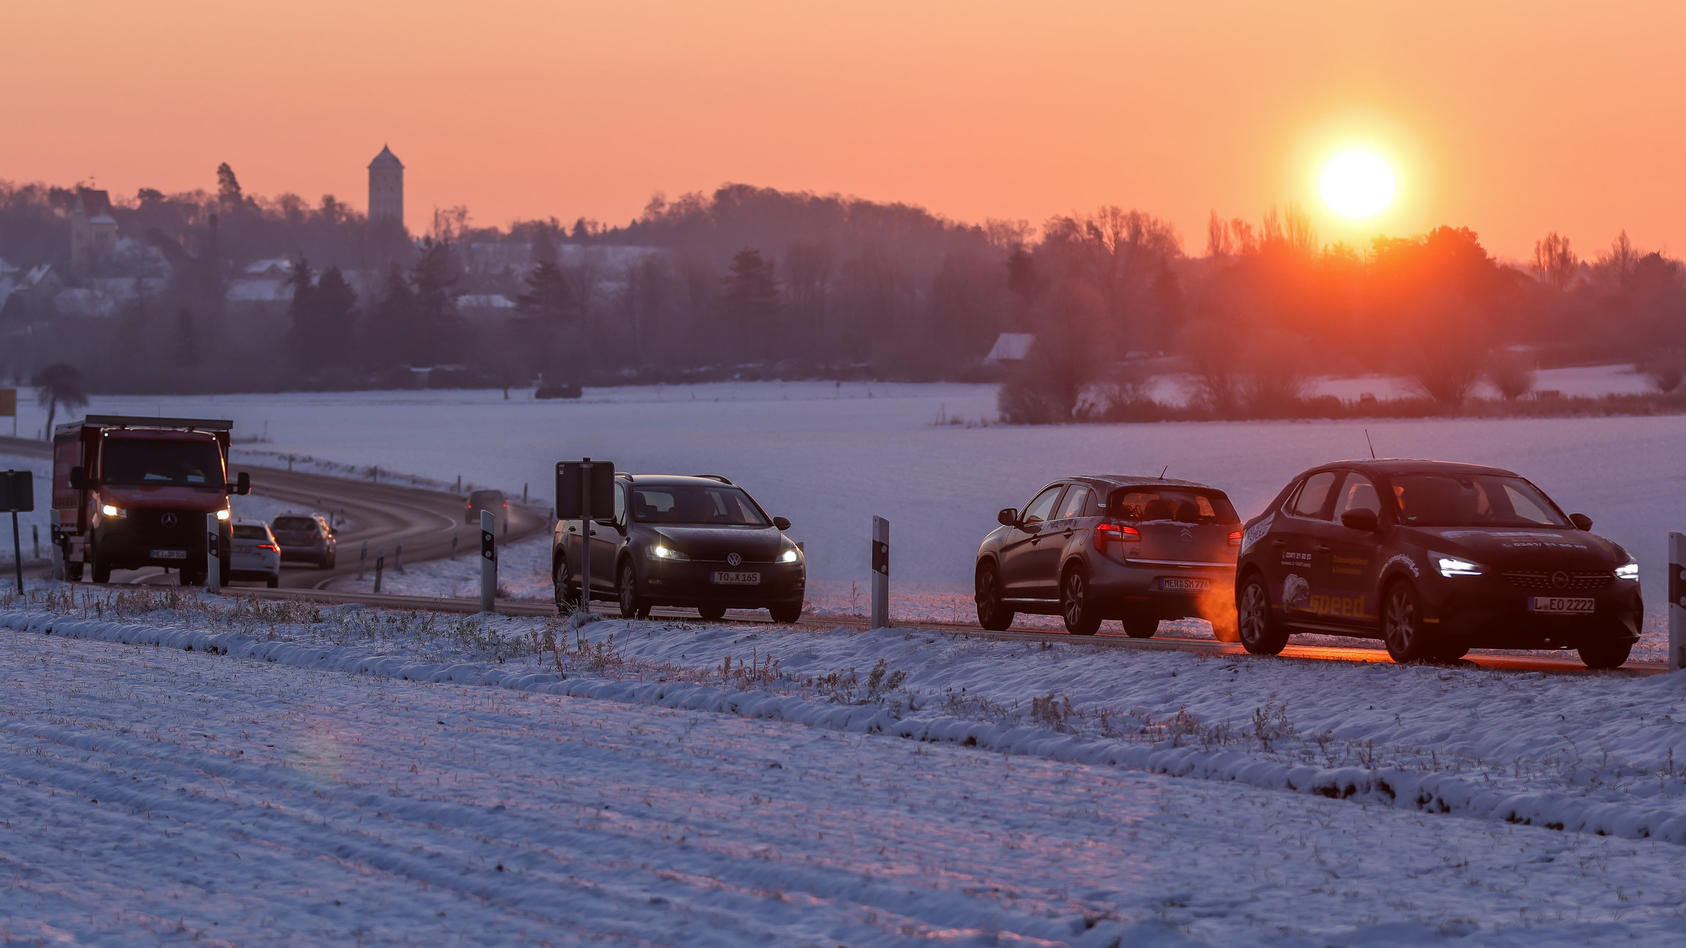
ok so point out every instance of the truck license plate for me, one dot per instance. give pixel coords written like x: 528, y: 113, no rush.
x: 737, y: 579
x: 1182, y: 583
x: 1562, y: 605
x: 169, y: 554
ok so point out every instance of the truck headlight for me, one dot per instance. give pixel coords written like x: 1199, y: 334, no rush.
x: 661, y: 552
x: 1628, y: 571
x: 224, y: 514
x: 112, y: 510
x: 1454, y: 566
x: 790, y: 556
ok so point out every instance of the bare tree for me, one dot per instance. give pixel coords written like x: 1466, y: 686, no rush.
x: 1554, y: 261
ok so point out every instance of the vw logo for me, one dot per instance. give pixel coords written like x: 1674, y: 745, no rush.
x: 1560, y: 580
x: 732, y: 559
x: 168, y: 519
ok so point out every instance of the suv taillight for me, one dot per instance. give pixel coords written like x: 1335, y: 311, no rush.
x: 1107, y: 534
x: 1235, y: 538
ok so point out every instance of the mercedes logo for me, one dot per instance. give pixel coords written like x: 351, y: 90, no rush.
x: 168, y: 520
x: 732, y: 559
x: 1560, y: 580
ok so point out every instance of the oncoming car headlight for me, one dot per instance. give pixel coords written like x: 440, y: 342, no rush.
x: 661, y: 552
x: 1453, y: 566
x: 1628, y: 570
x: 112, y: 510
x: 790, y: 556
x: 224, y: 514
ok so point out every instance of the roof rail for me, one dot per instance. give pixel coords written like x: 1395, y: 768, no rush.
x: 143, y: 421
x: 717, y: 477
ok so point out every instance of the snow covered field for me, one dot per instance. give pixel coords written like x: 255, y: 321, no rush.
x: 347, y: 774
x: 831, y: 456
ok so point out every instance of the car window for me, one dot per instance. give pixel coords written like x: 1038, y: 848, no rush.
x: 1313, y: 497
x: 1474, y: 500
x: 1357, y: 493
x: 1075, y: 504
x: 1042, y: 507
x: 244, y: 532
x: 1179, y: 504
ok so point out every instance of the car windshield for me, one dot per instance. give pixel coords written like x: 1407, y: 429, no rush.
x: 295, y: 524
x: 162, y: 462
x: 695, y: 503
x: 1179, y: 504
x: 1473, y: 500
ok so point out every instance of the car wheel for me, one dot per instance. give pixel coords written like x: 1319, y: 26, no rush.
x: 1079, y: 612
x: 626, y: 586
x: 993, y: 614
x: 1402, y: 624
x: 785, y: 613
x: 1605, y: 655
x: 711, y: 613
x: 1140, y: 627
x: 1260, y: 632
x: 567, y: 597
x: 73, y: 572
x: 333, y: 559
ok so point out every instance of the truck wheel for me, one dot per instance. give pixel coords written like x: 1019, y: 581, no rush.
x: 1140, y: 627
x: 102, y: 571
x: 73, y: 572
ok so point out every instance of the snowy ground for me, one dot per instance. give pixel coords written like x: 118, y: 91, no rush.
x: 352, y: 774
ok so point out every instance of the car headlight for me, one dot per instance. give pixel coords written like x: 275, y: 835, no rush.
x: 1454, y: 566
x: 662, y: 552
x: 112, y: 510
x: 1628, y: 570
x: 224, y: 514
x: 790, y: 556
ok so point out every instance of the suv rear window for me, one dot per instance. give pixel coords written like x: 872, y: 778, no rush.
x: 300, y: 524
x: 245, y: 532
x: 1180, y: 504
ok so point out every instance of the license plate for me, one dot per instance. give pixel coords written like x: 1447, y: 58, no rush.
x: 169, y: 554
x: 737, y: 579
x: 1562, y: 605
x: 1178, y: 582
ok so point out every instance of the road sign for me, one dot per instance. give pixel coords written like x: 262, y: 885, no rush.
x: 17, y: 491
x: 582, y: 486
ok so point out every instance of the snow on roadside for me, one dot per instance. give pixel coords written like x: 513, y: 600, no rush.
x: 1599, y: 753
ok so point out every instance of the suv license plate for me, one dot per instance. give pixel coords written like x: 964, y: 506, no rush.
x: 1179, y: 582
x: 169, y: 554
x: 1562, y: 605
x: 737, y: 579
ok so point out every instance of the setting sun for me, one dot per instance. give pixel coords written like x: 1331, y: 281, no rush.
x: 1357, y: 184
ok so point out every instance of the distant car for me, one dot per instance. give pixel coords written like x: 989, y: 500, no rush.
x: 1434, y: 558
x: 695, y: 541
x: 307, y: 537
x: 254, y: 554
x: 1097, y: 547
x: 492, y: 500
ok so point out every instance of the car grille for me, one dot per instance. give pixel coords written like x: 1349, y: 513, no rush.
x: 1542, y: 579
x: 187, y: 527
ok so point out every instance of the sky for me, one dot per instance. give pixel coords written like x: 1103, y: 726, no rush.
x: 1510, y: 118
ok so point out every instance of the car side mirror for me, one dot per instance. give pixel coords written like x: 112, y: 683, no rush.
x: 1361, y: 520
x: 1581, y: 521
x: 242, y: 483
x: 79, y: 478
x: 783, y: 523
x: 1008, y: 517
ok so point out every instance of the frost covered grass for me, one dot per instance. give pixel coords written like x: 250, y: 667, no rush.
x: 1604, y: 754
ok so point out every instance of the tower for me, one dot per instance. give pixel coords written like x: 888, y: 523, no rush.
x: 386, y: 188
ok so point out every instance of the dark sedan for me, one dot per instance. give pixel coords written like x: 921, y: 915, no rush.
x: 696, y: 541
x: 1433, y: 558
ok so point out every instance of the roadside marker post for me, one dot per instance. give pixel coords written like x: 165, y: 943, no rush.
x: 380, y: 567
x: 488, y: 562
x: 213, y: 556
x: 362, y: 557
x: 1676, y: 601
x: 398, y: 557
x: 880, y: 572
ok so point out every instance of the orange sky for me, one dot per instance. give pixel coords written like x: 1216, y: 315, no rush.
x: 1511, y: 118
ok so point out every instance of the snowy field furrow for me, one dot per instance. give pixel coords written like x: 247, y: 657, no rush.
x: 168, y: 796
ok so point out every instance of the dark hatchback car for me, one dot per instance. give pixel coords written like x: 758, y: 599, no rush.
x: 697, y: 541
x: 1433, y: 558
x: 1097, y: 547
x: 307, y: 537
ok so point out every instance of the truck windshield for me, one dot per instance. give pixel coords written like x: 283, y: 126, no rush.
x: 161, y: 462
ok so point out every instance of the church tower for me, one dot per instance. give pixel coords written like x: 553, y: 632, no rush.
x: 386, y: 188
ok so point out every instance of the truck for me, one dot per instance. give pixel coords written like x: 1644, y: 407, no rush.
x: 130, y: 492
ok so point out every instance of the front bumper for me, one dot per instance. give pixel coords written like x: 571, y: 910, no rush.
x: 1489, y: 612
x: 144, y: 539
x: 1161, y: 589
x: 693, y: 583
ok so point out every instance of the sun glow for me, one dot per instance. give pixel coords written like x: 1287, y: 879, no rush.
x: 1357, y: 184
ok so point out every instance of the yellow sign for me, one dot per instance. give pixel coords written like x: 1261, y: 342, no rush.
x: 8, y: 403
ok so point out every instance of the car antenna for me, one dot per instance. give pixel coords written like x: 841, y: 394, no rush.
x: 1370, y: 443
x: 1162, y: 472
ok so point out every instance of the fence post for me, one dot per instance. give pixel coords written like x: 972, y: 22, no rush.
x: 1676, y: 601
x: 488, y: 562
x: 35, y: 540
x: 213, y: 558
x: 880, y: 572
x: 362, y: 558
x: 380, y: 567
x: 398, y: 558
x: 455, y: 542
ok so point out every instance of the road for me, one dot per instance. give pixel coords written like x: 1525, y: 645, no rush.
x: 425, y: 521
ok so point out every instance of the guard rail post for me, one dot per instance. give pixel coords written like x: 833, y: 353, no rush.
x: 880, y: 572
x: 380, y: 567
x: 488, y: 562
x: 1676, y: 601
x: 213, y: 556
